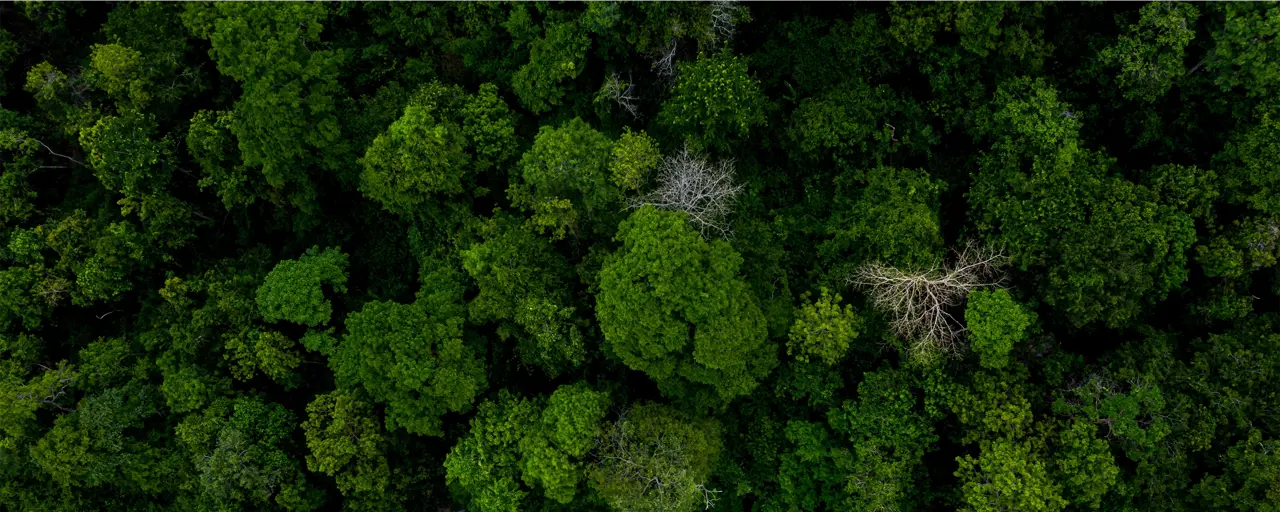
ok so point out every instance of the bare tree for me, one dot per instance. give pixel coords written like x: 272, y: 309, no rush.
x: 691, y: 184
x: 724, y: 20
x: 665, y: 63
x: 920, y: 302
x: 622, y: 93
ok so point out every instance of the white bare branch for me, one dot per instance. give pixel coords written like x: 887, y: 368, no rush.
x: 623, y: 93
x: 724, y: 20
x: 920, y: 302
x: 665, y: 63
x: 655, y: 467
x: 703, y: 190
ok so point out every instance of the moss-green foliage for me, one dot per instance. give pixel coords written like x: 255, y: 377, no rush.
x: 346, y: 442
x: 523, y: 284
x: 421, y: 154
x: 1107, y: 246
x: 391, y: 256
x: 635, y: 156
x: 1150, y: 57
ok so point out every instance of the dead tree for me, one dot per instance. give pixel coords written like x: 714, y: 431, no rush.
x: 703, y: 190
x: 724, y: 20
x: 919, y: 303
x: 623, y: 93
x: 665, y: 63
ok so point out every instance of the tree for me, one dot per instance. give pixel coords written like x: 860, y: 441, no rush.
x: 239, y: 450
x: 483, y: 466
x: 883, y: 214
x: 564, y: 177
x: 920, y: 302
x: 705, y: 192
x: 523, y: 283
x: 995, y: 323
x: 558, y: 55
x: 714, y: 100
x: 213, y: 147
x: 347, y: 442
x: 634, y: 156
x: 420, y: 155
x: 1007, y: 476
x: 673, y: 306
x: 410, y: 359
x: 551, y: 454
x: 95, y: 445
x: 292, y: 290
x: 890, y: 436
x: 1150, y: 56
x: 654, y: 458
x: 823, y: 330
x: 285, y: 120
x: 1243, y: 48
x: 1103, y: 246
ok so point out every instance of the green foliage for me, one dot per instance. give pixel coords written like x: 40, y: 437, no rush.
x: 894, y: 218
x: 483, y: 466
x: 92, y: 446
x: 292, y: 290
x: 420, y: 154
x: 570, y: 426
x: 652, y: 443
x: 1106, y: 246
x: 714, y: 99
x: 1243, y: 48
x: 559, y: 55
x: 564, y: 178
x: 286, y: 114
x: 996, y: 323
x: 890, y: 437
x: 412, y: 360
x: 1007, y: 476
x: 346, y: 442
x: 523, y: 282
x: 1249, y: 177
x: 1249, y: 477
x: 635, y: 155
x: 1150, y: 56
x: 488, y: 125
x: 238, y: 449
x: 1086, y: 467
x: 823, y: 330
x: 674, y: 307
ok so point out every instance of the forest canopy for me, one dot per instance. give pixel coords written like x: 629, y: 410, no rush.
x: 639, y: 256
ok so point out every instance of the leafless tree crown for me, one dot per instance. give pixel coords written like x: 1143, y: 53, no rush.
x: 689, y: 183
x: 919, y: 302
x: 665, y: 63
x: 623, y: 93
x: 724, y: 20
